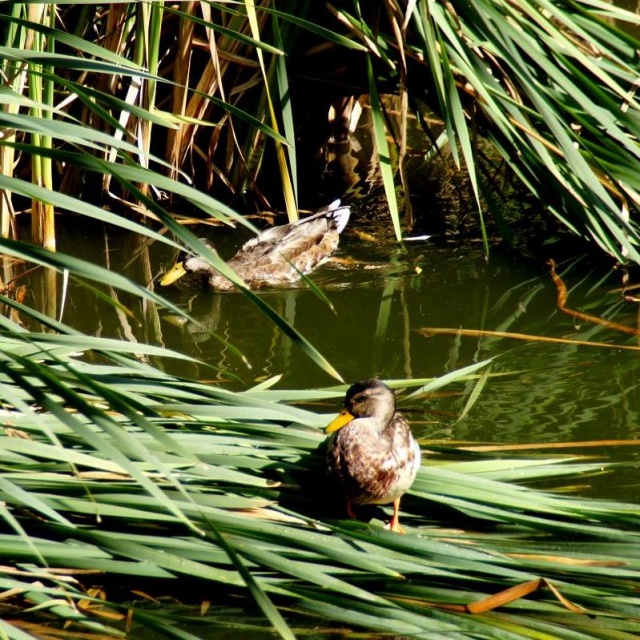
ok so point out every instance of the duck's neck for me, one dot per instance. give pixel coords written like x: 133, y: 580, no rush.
x: 195, y: 264
x: 382, y: 417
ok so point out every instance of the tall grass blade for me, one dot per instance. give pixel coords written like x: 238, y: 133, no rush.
x: 285, y: 176
x: 384, y: 153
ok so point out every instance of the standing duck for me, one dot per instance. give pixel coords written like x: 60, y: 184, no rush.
x: 371, y: 450
x: 277, y: 255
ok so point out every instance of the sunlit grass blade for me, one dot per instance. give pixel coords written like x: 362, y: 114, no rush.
x: 284, y: 95
x: 442, y: 381
x: 345, y: 559
x: 285, y: 175
x: 259, y: 595
x: 384, y: 153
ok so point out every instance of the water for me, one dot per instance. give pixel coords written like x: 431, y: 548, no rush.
x: 382, y: 296
x: 540, y: 394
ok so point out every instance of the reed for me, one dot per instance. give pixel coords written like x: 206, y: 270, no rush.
x: 41, y: 92
x: 109, y: 464
x: 538, y: 81
x: 147, y: 55
x: 231, y: 76
x: 15, y: 77
x: 287, y: 186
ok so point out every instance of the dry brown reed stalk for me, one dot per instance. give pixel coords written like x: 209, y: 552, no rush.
x: 181, y: 71
x: 534, y: 446
x: 227, y: 57
x: 485, y: 333
x: 115, y: 39
x: 516, y: 593
x: 562, y: 296
x: 507, y: 596
x: 7, y: 163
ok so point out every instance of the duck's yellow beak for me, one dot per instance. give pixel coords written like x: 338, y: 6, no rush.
x: 177, y: 271
x: 343, y: 418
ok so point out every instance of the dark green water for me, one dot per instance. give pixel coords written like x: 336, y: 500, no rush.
x: 540, y: 392
x: 545, y: 392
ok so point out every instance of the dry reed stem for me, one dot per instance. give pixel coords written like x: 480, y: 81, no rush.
x: 562, y: 296
x: 520, y: 591
x: 485, y: 333
x: 210, y: 83
x: 503, y: 598
x: 561, y: 300
x: 181, y: 72
x: 546, y: 445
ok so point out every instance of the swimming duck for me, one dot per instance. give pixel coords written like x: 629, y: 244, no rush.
x: 277, y: 255
x: 371, y: 450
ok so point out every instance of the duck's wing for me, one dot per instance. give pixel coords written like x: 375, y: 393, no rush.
x: 401, y: 458
x: 334, y: 217
x: 373, y: 467
x: 299, y: 246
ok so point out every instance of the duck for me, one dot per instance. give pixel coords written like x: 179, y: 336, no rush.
x: 276, y: 256
x: 371, y: 450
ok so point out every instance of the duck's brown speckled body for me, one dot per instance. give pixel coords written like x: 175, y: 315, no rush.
x: 371, y: 450
x: 277, y: 255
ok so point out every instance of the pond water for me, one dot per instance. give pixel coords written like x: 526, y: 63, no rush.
x: 382, y: 296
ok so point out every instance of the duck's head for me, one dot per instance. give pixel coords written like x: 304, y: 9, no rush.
x: 366, y: 399
x: 188, y: 263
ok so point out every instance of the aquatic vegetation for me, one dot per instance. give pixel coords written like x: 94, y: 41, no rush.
x: 114, y: 473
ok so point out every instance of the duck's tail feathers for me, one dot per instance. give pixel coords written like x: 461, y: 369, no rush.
x: 339, y: 214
